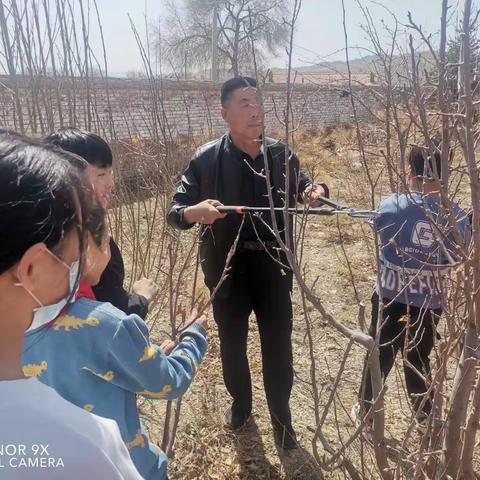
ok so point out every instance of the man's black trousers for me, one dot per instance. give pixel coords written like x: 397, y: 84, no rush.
x: 414, y: 339
x: 257, y: 284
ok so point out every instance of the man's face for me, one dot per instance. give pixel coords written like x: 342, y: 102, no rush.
x: 102, y: 181
x: 244, y: 114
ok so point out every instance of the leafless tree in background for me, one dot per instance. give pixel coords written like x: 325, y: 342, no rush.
x: 189, y: 29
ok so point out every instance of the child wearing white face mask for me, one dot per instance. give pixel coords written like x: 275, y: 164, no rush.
x: 45, y: 313
x: 42, y: 436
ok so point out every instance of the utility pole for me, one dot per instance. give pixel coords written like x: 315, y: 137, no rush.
x: 214, y: 74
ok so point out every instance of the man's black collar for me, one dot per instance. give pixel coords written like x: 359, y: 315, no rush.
x: 236, y: 152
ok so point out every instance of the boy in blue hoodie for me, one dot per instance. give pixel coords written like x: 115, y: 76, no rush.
x: 417, y: 245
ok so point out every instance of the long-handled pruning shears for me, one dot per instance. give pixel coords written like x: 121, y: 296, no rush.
x: 336, y: 209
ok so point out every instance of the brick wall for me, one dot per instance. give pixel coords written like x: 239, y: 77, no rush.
x: 123, y: 108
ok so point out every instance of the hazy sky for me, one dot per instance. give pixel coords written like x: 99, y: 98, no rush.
x: 319, y: 34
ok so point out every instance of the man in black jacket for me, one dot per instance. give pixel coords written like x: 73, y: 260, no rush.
x: 98, y: 154
x: 230, y: 171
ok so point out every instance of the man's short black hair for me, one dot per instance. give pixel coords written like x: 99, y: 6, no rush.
x: 234, y: 84
x: 94, y: 149
x: 420, y: 157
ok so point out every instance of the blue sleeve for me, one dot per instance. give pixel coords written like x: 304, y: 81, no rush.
x: 384, y: 210
x: 464, y: 223
x: 374, y: 222
x: 137, y: 365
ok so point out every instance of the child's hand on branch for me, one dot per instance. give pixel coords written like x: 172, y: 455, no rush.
x: 202, y: 320
x: 146, y: 288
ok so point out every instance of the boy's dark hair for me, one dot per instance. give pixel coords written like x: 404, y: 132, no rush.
x: 94, y: 149
x: 420, y: 157
x: 234, y: 84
